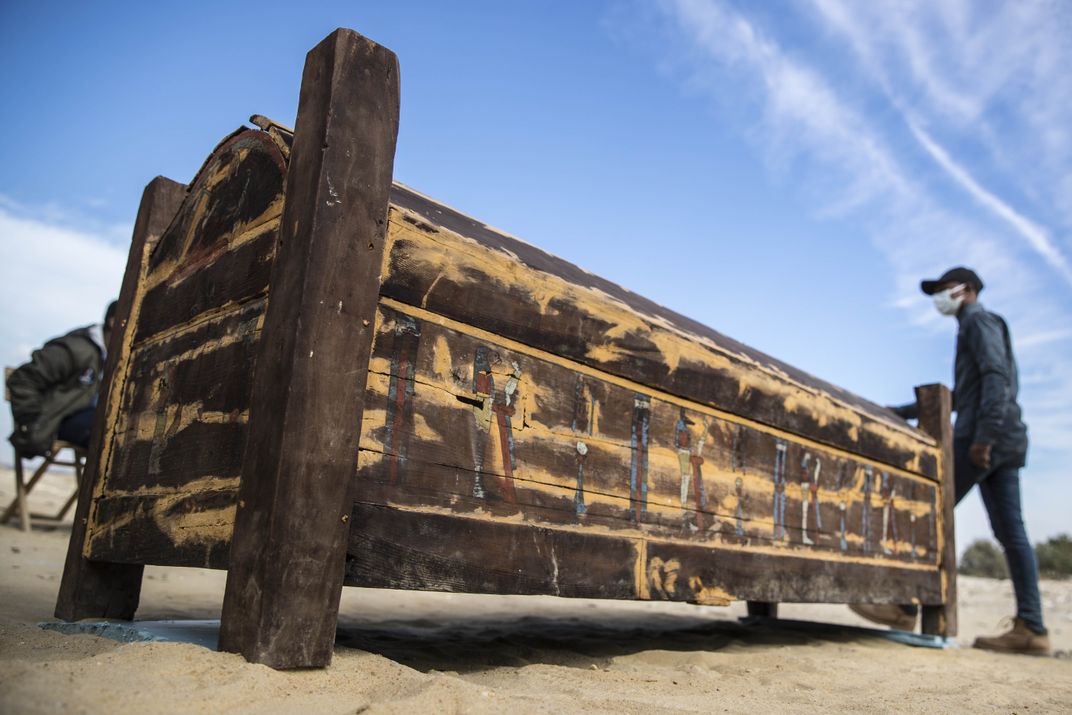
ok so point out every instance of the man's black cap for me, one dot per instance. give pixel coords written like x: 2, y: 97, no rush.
x: 960, y: 274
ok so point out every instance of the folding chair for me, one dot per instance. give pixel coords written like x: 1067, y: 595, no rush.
x: 23, y: 488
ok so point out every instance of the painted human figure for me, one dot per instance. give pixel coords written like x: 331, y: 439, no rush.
x: 738, y: 462
x: 583, y: 419
x: 809, y: 497
x: 843, y: 542
x: 888, y: 493
x: 739, y: 484
x: 841, y: 486
x: 912, y: 522
x: 497, y: 407
x: 400, y: 390
x: 780, y: 450
x: 865, y: 526
x: 638, y: 448
x: 690, y: 459
x: 578, y: 497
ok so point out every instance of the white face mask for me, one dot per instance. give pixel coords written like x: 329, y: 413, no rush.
x: 946, y: 303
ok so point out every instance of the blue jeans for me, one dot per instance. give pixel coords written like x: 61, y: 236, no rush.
x: 75, y: 427
x: 1000, y: 489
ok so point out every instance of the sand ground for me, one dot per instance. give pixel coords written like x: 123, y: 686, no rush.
x: 405, y: 652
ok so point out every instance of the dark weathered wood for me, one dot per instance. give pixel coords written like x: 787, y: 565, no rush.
x: 414, y: 549
x: 516, y: 304
x: 390, y: 548
x: 705, y: 575
x: 288, y: 549
x: 93, y: 589
x: 935, y: 406
x: 238, y: 188
x: 762, y: 609
x: 20, y: 497
x: 226, y: 278
x: 169, y: 529
x: 185, y: 418
x: 431, y: 435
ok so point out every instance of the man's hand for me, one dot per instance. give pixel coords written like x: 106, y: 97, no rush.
x: 979, y: 454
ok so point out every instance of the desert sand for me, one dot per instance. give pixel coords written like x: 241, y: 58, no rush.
x: 402, y: 652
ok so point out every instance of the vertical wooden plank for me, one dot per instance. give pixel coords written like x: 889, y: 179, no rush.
x: 935, y: 407
x: 93, y: 589
x: 20, y: 495
x: 288, y: 550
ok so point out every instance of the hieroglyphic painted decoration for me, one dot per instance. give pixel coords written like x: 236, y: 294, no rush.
x: 865, y: 526
x: 498, y: 407
x: 780, y: 450
x: 578, y: 497
x: 932, y: 526
x: 400, y: 394
x: 163, y: 427
x: 843, y: 542
x: 888, y: 492
x: 584, y: 407
x: 739, y: 486
x: 638, y: 463
x: 841, y: 487
x: 608, y: 478
x: 662, y: 577
x: 583, y: 422
x: 912, y: 526
x: 809, y: 497
x: 696, y: 461
x: 690, y: 459
x: 738, y: 463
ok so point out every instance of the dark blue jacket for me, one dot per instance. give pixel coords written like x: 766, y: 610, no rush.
x: 986, y: 385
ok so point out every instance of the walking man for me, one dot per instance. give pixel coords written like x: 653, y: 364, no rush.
x: 990, y: 448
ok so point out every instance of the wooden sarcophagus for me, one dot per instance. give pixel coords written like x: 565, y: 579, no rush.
x: 321, y: 377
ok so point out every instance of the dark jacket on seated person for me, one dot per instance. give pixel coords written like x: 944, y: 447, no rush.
x: 62, y: 379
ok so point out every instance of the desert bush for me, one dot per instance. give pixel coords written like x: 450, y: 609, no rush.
x: 983, y: 558
x: 1055, y: 557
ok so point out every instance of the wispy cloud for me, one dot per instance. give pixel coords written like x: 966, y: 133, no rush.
x: 994, y: 78
x: 53, y: 278
x: 899, y: 112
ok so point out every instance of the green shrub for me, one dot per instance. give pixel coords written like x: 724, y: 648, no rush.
x: 983, y: 558
x: 1055, y: 557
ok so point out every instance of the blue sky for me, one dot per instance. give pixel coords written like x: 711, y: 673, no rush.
x: 785, y: 172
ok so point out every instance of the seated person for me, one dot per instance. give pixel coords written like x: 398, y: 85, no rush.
x: 54, y: 395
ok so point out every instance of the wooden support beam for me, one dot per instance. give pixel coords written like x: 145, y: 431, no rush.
x: 935, y: 407
x: 763, y: 609
x: 288, y: 549
x: 94, y: 589
x: 20, y: 496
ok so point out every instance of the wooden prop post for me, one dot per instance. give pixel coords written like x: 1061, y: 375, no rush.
x: 98, y: 589
x: 288, y: 549
x: 935, y: 407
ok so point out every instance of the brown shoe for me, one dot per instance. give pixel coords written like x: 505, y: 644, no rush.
x: 887, y: 614
x: 1018, y: 639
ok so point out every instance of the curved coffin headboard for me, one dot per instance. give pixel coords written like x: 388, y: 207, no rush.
x: 172, y: 455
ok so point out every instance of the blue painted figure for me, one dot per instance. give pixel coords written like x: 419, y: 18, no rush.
x: 780, y: 449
